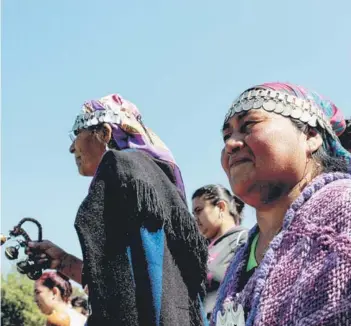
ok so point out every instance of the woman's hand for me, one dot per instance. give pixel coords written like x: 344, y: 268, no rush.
x: 52, y: 256
x: 46, y: 253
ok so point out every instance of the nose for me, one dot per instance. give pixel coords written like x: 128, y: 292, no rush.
x: 72, y: 147
x: 233, y: 144
x: 199, y: 225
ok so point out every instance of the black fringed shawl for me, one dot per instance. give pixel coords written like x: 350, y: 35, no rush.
x: 144, y: 260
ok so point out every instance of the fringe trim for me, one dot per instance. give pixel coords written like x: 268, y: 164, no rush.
x: 154, y: 211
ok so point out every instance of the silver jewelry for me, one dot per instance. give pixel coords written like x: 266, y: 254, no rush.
x: 281, y: 103
x: 88, y: 118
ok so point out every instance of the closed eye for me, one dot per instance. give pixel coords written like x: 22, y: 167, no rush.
x: 226, y: 137
x: 245, y: 126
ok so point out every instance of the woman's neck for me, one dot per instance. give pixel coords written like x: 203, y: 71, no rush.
x: 270, y: 220
x: 227, y: 224
x: 61, y: 306
x: 270, y: 216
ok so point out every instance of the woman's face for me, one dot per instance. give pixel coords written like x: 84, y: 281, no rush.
x: 207, y: 216
x: 263, y: 153
x: 44, y: 298
x: 88, y: 150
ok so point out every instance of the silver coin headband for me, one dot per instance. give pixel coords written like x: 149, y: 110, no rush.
x: 281, y: 103
x: 88, y: 119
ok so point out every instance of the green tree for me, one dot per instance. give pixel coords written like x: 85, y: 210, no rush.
x: 17, y: 302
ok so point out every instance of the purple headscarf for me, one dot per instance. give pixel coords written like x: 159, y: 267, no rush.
x: 128, y: 130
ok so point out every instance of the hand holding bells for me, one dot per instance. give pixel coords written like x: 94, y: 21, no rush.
x: 28, y: 266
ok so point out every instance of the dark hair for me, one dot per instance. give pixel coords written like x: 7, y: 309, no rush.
x: 80, y: 302
x: 345, y: 137
x: 215, y: 193
x: 52, y: 279
x: 329, y: 163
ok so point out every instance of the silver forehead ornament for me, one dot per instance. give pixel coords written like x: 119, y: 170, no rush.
x: 281, y: 103
x: 111, y: 114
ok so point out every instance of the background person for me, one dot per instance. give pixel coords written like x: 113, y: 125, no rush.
x: 51, y: 294
x: 80, y: 304
x: 219, y: 215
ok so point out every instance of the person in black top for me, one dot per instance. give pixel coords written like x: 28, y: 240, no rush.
x: 144, y: 259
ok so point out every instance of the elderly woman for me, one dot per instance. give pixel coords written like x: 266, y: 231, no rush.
x: 283, y: 157
x: 144, y: 260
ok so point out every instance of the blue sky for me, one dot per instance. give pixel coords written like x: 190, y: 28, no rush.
x: 181, y: 62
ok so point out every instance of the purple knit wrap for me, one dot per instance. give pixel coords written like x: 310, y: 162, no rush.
x: 305, y: 276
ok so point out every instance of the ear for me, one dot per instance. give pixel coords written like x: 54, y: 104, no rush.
x: 106, y: 133
x: 55, y: 291
x: 314, y: 141
x: 222, y: 205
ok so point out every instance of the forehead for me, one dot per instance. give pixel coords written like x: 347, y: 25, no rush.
x: 84, y: 133
x: 198, y: 201
x: 38, y: 287
x: 242, y: 116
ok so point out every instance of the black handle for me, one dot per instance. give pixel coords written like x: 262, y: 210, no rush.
x: 18, y: 230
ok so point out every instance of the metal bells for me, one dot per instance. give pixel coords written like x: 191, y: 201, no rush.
x: 2, y: 239
x: 28, y: 266
x: 11, y: 253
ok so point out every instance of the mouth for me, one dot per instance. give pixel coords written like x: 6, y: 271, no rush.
x: 238, y: 161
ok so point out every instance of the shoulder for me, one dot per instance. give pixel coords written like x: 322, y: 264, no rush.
x: 339, y: 185
x: 330, y: 205
x: 334, y: 194
x: 124, y: 158
x: 125, y: 164
x: 77, y: 319
x: 230, y: 242
x: 59, y: 319
x: 238, y: 237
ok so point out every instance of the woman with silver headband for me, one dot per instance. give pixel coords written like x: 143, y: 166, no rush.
x: 282, y: 156
x: 144, y: 260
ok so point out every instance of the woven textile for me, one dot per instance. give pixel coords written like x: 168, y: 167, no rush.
x: 305, y: 275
